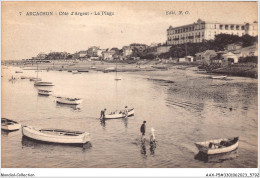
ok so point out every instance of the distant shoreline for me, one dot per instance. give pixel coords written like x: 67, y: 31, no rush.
x: 242, y: 70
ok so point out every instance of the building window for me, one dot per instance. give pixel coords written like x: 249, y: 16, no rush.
x: 215, y: 26
x: 237, y: 27
x: 226, y: 27
x: 242, y: 27
x: 232, y: 27
x: 221, y: 27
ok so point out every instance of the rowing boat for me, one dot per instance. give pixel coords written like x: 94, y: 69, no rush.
x: 9, y: 125
x: 44, y: 92
x: 119, y: 114
x: 218, y: 146
x: 56, y: 135
x: 43, y: 84
x: 219, y: 77
x: 70, y: 101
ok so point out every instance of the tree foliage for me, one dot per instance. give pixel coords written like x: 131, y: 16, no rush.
x: 219, y: 44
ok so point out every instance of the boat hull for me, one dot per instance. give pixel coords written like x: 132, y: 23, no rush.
x: 43, y: 84
x: 35, y: 134
x: 10, y: 125
x: 202, y: 146
x: 219, y: 77
x: 68, y: 102
x: 120, y: 115
x: 44, y: 93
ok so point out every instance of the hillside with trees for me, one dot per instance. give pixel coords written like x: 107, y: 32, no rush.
x: 219, y: 44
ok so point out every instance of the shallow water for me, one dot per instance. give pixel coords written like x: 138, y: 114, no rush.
x: 188, y: 109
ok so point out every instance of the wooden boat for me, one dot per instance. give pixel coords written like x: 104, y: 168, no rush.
x: 92, y: 67
x: 56, y: 135
x: 218, y: 146
x: 34, y: 79
x: 43, y: 84
x: 23, y: 77
x: 76, y: 72
x: 70, y: 101
x: 110, y: 69
x: 219, y: 77
x: 44, y: 92
x: 9, y: 125
x: 120, y: 114
x: 82, y: 70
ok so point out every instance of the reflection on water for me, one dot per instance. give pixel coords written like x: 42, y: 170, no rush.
x: 219, y: 158
x: 125, y: 121
x: 143, y: 149
x: 190, y: 109
x: 152, y: 147
x: 103, y: 123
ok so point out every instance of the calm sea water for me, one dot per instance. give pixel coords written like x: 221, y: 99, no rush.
x: 190, y: 109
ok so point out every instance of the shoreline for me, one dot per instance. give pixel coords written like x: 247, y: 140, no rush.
x: 241, y: 70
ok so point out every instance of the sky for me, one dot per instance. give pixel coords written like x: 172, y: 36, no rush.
x: 133, y: 22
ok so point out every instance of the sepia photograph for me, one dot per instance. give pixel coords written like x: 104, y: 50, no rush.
x: 129, y: 84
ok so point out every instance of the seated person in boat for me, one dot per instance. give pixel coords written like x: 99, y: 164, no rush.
x: 102, y: 114
x: 214, y: 145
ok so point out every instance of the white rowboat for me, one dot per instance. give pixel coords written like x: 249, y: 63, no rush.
x: 44, y: 92
x: 120, y: 114
x: 43, y: 84
x: 9, y: 125
x: 218, y: 146
x: 56, y: 135
x: 70, y: 101
x: 219, y: 77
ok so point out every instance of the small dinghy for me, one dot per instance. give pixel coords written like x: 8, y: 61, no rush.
x: 82, y: 70
x: 218, y: 146
x: 56, y: 135
x: 76, y: 72
x: 219, y: 77
x: 70, y: 101
x: 43, y: 84
x: 9, y: 125
x: 120, y: 114
x: 23, y: 77
x: 34, y: 79
x: 44, y: 92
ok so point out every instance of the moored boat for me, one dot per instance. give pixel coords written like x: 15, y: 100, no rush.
x: 56, y: 135
x: 9, y: 125
x: 119, y: 114
x: 70, y: 101
x: 23, y: 77
x: 43, y: 84
x: 110, y: 69
x: 82, y: 70
x: 44, y: 92
x: 34, y: 79
x: 218, y: 146
x: 219, y: 77
x: 76, y: 72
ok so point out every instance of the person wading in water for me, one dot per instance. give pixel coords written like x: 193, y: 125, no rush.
x: 142, y: 129
x: 102, y: 114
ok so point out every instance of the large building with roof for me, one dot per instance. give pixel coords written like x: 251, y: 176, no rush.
x: 202, y: 30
